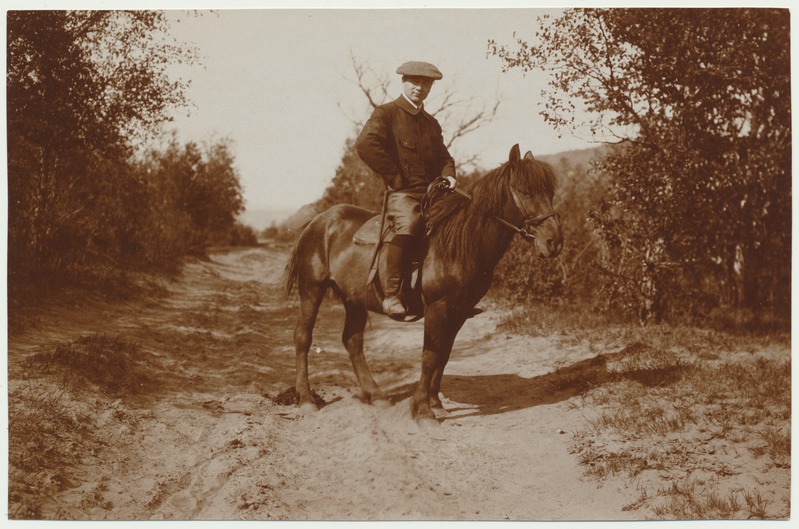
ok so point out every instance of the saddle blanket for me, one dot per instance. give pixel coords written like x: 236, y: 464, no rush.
x: 369, y: 233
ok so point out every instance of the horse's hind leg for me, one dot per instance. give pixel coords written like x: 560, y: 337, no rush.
x: 310, y: 299
x: 354, y: 325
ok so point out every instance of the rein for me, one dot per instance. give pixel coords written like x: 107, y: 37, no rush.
x: 535, y: 221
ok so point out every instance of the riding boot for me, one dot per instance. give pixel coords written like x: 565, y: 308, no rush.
x: 392, y: 304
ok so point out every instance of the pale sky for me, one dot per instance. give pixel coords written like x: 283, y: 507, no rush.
x: 279, y: 84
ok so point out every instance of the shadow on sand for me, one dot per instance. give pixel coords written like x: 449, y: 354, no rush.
x: 493, y: 394
x: 480, y: 395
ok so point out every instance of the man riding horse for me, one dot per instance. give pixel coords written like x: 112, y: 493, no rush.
x: 403, y: 144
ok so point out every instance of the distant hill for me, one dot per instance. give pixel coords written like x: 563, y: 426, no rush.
x: 300, y: 218
x: 577, y: 158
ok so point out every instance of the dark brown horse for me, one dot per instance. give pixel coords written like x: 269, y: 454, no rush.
x: 466, y: 239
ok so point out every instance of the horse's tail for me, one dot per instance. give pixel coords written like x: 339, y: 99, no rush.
x: 290, y: 273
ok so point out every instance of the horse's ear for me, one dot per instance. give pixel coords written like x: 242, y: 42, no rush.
x: 515, y: 154
x: 529, y: 156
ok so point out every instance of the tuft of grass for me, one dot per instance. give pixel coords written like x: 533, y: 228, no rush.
x: 42, y: 428
x: 639, y: 404
x: 758, y: 383
x: 643, y: 497
x: 649, y: 366
x: 755, y: 503
x: 50, y: 429
x: 601, y: 464
x: 545, y: 320
x: 778, y: 445
x: 659, y: 407
x: 40, y: 414
x: 747, y: 322
x: 108, y: 362
x: 644, y: 418
x: 690, y: 501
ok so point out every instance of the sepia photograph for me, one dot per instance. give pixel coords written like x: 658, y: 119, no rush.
x: 338, y: 262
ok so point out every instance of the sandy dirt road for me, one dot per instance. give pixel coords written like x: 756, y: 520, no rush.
x: 209, y: 441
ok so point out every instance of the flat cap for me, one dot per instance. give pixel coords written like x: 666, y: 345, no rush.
x: 420, y: 69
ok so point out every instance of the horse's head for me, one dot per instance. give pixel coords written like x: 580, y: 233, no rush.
x: 532, y: 186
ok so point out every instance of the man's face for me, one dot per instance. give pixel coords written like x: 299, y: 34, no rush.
x: 416, y: 88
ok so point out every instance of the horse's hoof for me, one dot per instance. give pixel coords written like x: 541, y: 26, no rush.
x: 308, y: 408
x: 381, y: 403
x: 427, y: 423
x: 422, y: 414
x: 373, y: 398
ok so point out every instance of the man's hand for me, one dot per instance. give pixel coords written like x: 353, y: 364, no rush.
x: 445, y: 182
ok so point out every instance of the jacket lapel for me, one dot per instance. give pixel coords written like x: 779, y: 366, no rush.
x: 407, y: 107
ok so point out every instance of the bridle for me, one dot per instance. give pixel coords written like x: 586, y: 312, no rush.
x: 526, y: 223
x: 529, y: 221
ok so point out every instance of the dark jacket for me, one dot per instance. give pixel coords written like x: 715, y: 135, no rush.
x: 404, y: 146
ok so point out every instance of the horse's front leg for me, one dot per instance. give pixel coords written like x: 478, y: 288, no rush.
x: 439, y: 335
x: 438, y: 373
x: 435, y: 384
x: 420, y: 403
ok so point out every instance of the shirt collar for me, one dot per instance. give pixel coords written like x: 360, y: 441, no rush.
x: 414, y: 105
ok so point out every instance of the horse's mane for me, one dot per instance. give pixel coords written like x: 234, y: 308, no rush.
x: 455, y: 224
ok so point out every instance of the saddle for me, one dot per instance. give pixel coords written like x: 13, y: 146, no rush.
x: 369, y: 233
x: 411, y: 291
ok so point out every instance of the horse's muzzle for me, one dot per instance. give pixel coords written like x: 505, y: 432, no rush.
x: 549, y: 243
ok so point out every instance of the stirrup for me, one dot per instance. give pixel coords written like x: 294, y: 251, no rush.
x: 393, y: 307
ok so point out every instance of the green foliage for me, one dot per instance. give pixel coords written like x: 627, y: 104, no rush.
x: 570, y: 276
x: 195, y: 196
x: 81, y: 86
x: 239, y: 235
x: 84, y: 88
x: 698, y: 215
